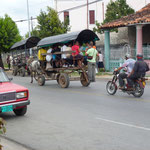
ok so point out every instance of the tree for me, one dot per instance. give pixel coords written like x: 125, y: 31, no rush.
x: 49, y: 24
x: 35, y: 32
x: 115, y: 10
x: 9, y: 34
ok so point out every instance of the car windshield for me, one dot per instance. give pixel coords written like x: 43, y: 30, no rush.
x: 3, y: 76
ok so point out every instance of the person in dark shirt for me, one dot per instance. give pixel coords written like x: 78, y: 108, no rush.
x: 139, y: 70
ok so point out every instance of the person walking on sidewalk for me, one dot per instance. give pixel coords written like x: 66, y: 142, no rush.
x: 100, y: 63
x: 8, y: 61
x: 91, y: 54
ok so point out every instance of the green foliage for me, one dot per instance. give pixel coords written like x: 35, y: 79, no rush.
x: 35, y: 32
x: 96, y: 29
x: 2, y: 129
x: 2, y: 126
x: 9, y: 33
x: 115, y: 10
x: 49, y: 24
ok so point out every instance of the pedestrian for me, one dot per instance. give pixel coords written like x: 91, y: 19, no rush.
x: 8, y: 61
x: 100, y: 63
x: 91, y: 54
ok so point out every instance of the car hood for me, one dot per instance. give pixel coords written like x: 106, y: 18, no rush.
x: 9, y: 86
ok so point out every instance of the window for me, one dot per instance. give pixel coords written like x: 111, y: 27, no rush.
x: 66, y: 16
x: 92, y: 16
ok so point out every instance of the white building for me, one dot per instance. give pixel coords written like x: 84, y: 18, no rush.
x: 78, y: 16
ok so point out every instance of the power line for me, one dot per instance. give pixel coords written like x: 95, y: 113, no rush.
x: 80, y: 6
x: 73, y: 8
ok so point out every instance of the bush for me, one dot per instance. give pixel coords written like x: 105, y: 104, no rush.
x: 2, y: 129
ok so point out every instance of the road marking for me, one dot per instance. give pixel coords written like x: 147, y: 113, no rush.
x: 124, y: 124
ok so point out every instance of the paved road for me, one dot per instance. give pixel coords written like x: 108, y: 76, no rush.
x: 81, y: 118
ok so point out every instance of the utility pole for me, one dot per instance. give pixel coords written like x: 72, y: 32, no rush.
x: 28, y: 18
x: 103, y: 10
x: 29, y: 24
x: 87, y: 14
x: 56, y: 5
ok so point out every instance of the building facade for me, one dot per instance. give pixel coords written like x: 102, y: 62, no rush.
x: 76, y: 11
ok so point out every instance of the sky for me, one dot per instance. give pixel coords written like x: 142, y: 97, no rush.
x: 17, y: 9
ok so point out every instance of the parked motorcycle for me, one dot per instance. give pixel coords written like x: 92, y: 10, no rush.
x: 138, y: 87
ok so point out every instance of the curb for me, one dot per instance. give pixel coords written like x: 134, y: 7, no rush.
x: 11, y: 145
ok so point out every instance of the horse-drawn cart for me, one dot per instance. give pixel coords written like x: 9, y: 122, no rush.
x: 20, y: 53
x: 62, y: 69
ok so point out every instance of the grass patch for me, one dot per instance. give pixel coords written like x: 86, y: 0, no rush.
x: 76, y: 74
x: 103, y: 73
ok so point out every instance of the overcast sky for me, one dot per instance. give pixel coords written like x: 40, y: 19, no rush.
x: 17, y: 9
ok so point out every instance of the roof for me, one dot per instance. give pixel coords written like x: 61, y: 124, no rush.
x: 27, y: 43
x: 140, y: 17
x: 58, y: 39
x: 81, y: 36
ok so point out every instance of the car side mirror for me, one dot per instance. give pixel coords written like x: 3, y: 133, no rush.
x: 10, y: 79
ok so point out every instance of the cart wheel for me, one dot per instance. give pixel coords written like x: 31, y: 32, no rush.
x: 57, y: 78
x: 64, y: 80
x: 41, y: 80
x: 83, y: 80
x: 15, y: 71
x: 22, y: 72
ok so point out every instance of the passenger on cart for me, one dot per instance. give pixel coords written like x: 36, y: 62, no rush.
x: 48, y: 59
x: 56, y: 58
x: 83, y: 49
x: 66, y: 56
x: 42, y: 58
x: 76, y: 56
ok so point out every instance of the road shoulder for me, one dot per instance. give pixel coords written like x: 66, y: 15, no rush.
x: 11, y: 145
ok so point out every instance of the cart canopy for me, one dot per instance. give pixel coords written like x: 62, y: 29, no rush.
x: 26, y: 44
x: 82, y: 36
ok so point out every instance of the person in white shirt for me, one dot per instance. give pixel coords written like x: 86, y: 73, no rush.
x: 100, y: 63
x: 129, y: 64
x: 63, y: 49
x: 48, y: 59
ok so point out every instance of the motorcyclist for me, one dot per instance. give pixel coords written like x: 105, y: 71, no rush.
x: 139, y: 70
x: 129, y: 64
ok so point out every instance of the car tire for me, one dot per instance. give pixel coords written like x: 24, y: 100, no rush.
x: 21, y: 111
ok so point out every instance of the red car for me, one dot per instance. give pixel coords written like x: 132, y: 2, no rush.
x: 13, y: 97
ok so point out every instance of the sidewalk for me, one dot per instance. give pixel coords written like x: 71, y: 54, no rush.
x: 10, y: 145
x: 107, y: 77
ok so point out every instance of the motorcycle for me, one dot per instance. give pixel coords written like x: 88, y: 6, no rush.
x: 138, y: 87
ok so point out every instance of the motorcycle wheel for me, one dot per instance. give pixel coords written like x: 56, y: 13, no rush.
x: 111, y: 88
x: 139, y: 91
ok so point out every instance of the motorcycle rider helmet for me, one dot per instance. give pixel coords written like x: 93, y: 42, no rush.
x: 139, y: 56
x: 127, y: 56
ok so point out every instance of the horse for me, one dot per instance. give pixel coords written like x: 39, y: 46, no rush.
x: 34, y: 67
